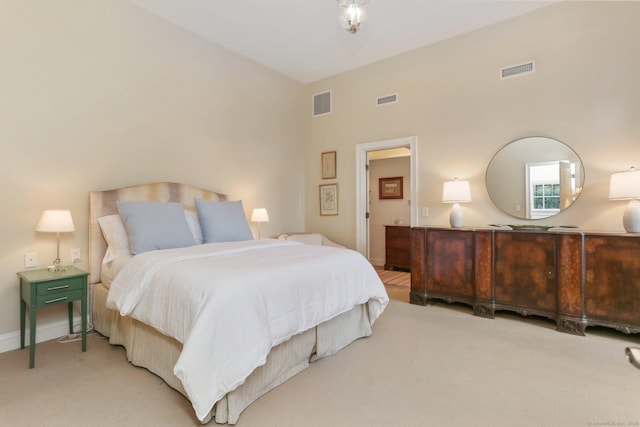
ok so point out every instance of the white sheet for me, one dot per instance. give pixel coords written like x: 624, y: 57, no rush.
x: 230, y: 303
x: 109, y: 270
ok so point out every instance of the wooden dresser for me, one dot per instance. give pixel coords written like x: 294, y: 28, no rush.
x: 396, y: 247
x: 575, y: 278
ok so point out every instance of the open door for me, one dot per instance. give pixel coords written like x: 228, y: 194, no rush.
x: 362, y: 185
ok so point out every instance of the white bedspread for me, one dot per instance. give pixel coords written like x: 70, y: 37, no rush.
x: 230, y: 303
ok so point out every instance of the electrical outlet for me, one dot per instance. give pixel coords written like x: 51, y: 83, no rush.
x: 425, y: 211
x: 30, y: 259
x: 75, y: 255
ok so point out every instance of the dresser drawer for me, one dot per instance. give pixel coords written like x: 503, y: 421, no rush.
x: 397, y: 247
x: 398, y: 243
x: 399, y: 231
x: 398, y: 256
x: 54, y: 287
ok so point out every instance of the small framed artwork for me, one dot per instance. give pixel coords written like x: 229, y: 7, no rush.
x: 329, y: 199
x: 328, y: 161
x: 390, y: 188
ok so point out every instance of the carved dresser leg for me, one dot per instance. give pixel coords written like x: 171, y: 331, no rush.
x: 484, y: 311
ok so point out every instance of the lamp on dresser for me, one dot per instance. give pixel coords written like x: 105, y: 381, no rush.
x: 56, y: 221
x: 626, y: 186
x: 456, y: 192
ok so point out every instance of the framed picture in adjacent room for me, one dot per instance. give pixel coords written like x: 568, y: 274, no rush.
x: 390, y: 188
x: 328, y: 161
x: 329, y: 199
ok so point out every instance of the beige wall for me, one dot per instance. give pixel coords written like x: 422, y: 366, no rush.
x: 585, y: 93
x: 100, y: 94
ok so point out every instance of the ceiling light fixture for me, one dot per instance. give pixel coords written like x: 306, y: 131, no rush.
x: 352, y: 14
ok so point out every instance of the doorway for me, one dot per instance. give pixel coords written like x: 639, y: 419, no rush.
x: 362, y: 185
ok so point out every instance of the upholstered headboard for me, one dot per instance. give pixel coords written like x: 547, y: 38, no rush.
x: 103, y: 203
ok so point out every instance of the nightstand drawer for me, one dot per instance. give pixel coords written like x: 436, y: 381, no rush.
x: 53, y: 287
x: 60, y: 297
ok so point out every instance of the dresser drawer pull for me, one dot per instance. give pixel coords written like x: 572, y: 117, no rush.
x: 55, y: 300
x: 58, y: 287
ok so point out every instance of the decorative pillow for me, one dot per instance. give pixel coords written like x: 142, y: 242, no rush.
x: 155, y: 225
x: 116, y: 236
x: 223, y: 221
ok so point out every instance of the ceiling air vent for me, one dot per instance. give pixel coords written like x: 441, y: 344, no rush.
x: 321, y: 103
x: 388, y: 99
x: 518, y: 70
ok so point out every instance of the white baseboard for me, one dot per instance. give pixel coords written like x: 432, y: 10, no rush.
x: 50, y: 331
x: 377, y: 261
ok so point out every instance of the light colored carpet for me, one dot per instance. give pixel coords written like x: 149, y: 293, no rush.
x: 423, y: 366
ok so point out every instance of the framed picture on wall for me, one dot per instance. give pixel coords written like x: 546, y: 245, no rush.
x: 390, y: 188
x: 329, y: 199
x: 328, y: 163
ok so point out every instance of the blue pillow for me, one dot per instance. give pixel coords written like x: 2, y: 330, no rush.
x: 155, y: 225
x: 223, y: 221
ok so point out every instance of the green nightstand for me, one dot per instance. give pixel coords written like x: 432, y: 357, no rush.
x: 41, y: 288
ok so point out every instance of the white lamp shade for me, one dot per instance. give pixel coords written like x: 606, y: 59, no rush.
x: 456, y: 192
x: 260, y: 215
x: 625, y: 185
x: 55, y: 221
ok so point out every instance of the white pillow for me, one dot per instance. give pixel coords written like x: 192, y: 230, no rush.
x: 116, y: 236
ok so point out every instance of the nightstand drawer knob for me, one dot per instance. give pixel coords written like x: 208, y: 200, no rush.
x: 54, y: 288
x: 55, y: 300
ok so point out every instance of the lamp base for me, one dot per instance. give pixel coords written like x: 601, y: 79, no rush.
x: 455, y: 216
x: 631, y: 217
x: 56, y: 266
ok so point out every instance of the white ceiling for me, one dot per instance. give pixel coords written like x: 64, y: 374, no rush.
x: 302, y: 38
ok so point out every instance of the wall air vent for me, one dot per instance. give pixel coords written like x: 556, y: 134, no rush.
x: 321, y: 103
x: 518, y: 70
x: 387, y: 99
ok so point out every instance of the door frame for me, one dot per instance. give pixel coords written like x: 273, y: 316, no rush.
x: 362, y: 185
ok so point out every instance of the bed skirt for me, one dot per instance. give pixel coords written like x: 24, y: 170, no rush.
x: 148, y: 348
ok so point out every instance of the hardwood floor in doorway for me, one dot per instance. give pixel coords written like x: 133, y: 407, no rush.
x: 397, y: 283
x: 395, y: 278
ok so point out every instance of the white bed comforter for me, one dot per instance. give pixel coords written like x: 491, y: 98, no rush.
x: 230, y: 303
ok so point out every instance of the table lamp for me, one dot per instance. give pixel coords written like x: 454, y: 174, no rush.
x: 56, y: 221
x: 626, y: 186
x: 259, y: 215
x: 456, y: 192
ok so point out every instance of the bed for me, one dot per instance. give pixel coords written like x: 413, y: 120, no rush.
x: 216, y: 331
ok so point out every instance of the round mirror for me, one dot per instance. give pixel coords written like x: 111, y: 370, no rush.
x: 534, y: 178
